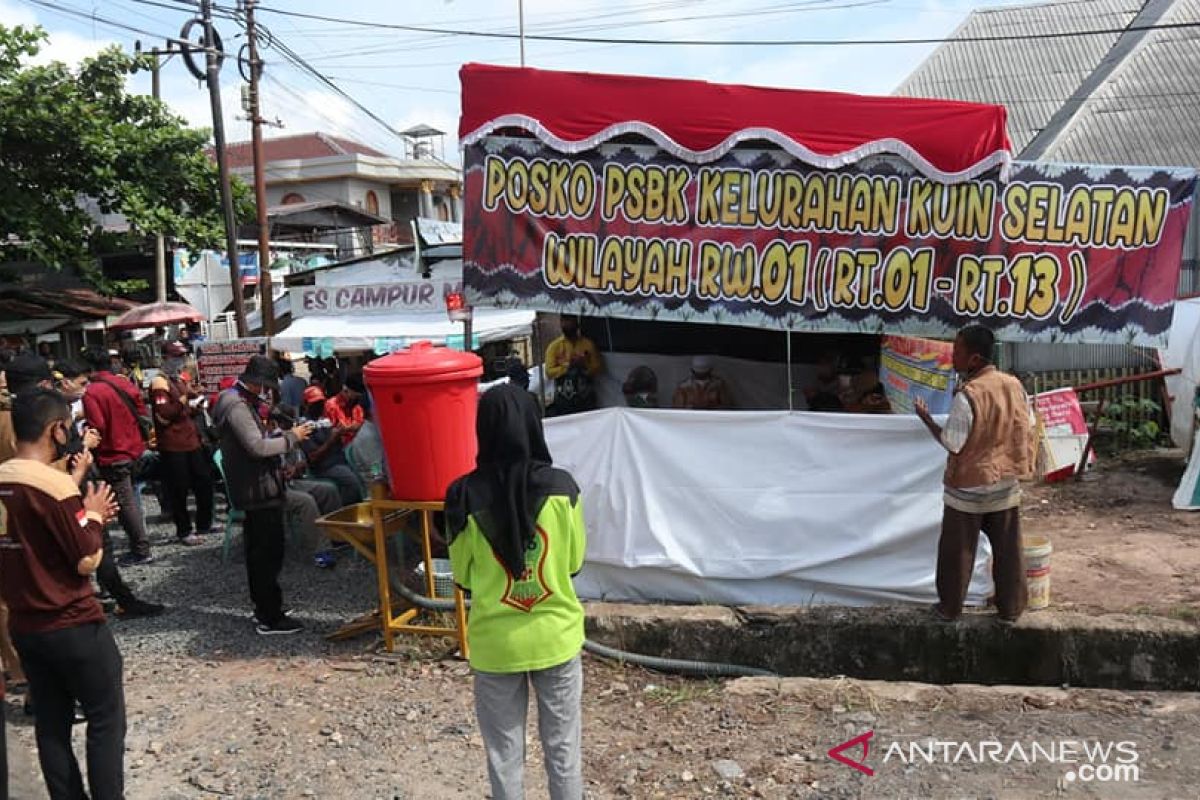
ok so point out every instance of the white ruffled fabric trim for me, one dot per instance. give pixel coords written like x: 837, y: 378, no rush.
x: 890, y: 146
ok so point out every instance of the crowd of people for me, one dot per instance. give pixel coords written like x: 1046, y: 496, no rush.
x: 73, y: 445
x: 573, y: 362
x: 80, y: 438
x: 841, y: 382
x: 77, y: 443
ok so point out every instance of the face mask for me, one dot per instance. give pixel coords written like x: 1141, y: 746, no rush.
x: 263, y: 397
x: 60, y: 447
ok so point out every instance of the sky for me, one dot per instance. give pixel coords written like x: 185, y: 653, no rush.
x: 407, y: 78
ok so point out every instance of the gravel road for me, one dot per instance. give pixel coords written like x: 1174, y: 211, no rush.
x: 216, y: 711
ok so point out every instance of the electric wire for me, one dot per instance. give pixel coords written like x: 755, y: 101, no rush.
x: 91, y: 16
x: 574, y: 25
x: 1047, y: 35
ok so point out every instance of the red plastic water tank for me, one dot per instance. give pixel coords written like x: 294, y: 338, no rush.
x: 425, y: 399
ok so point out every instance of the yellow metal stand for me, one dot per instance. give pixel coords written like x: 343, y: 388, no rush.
x: 367, y: 527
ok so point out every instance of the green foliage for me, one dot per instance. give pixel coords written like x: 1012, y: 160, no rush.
x: 127, y: 287
x: 1133, y: 422
x: 68, y: 134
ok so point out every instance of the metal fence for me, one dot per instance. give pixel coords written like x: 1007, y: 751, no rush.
x: 1154, y: 390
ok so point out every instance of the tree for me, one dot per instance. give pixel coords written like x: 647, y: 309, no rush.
x: 71, y: 134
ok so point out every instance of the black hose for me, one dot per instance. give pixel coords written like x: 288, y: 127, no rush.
x: 703, y: 669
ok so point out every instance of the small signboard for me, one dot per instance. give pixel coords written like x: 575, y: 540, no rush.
x: 1064, y: 433
x: 412, y: 295
x: 217, y: 360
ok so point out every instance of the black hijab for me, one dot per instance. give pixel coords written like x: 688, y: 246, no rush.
x: 512, y: 478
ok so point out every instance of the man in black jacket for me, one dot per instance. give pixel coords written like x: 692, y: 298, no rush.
x: 255, y: 482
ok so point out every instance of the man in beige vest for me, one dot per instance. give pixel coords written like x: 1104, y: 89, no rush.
x: 988, y: 436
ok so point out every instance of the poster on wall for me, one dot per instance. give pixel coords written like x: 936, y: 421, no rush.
x: 222, y: 359
x: 912, y: 367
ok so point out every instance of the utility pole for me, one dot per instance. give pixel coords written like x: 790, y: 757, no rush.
x: 160, y: 246
x: 521, y: 25
x: 213, y: 71
x: 267, y: 300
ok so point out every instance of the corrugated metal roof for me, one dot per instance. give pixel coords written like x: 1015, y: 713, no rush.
x: 1031, y: 77
x: 1148, y: 111
x: 1140, y: 106
x: 76, y: 302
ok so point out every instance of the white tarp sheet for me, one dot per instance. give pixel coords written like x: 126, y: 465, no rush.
x: 1187, y: 496
x: 364, y: 331
x: 757, y: 507
x: 1183, y: 352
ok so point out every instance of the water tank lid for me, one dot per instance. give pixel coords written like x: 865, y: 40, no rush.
x: 424, y: 360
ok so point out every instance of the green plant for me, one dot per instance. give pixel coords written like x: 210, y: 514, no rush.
x: 75, y: 144
x: 684, y: 692
x: 122, y: 288
x: 1133, y: 422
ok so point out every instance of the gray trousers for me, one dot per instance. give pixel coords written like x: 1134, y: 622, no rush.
x: 120, y: 478
x: 305, y: 501
x: 501, y: 703
x: 347, y: 482
x: 326, y: 495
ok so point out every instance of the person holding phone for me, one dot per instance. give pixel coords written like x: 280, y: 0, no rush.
x: 50, y: 544
x: 256, y: 484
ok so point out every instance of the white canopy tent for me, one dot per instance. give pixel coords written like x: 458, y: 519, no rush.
x: 391, y: 331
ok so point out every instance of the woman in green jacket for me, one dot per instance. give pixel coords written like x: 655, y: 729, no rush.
x: 516, y: 539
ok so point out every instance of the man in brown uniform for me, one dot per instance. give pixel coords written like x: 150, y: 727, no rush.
x: 185, y: 464
x: 50, y: 542
x: 989, y: 439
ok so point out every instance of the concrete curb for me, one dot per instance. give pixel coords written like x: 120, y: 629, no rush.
x: 1047, y: 648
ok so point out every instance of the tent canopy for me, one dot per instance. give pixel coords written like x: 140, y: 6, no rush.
x: 388, y: 331
x: 699, y: 121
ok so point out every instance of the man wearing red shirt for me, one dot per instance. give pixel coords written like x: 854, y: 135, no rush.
x: 50, y: 544
x: 121, y: 445
x: 345, y: 410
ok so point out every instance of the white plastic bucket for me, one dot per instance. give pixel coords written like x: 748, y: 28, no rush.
x: 1037, y: 569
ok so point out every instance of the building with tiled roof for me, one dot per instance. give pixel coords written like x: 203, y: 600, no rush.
x: 320, y: 171
x: 1107, y: 82
x: 302, y: 146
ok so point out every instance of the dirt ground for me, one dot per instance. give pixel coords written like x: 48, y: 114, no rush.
x: 360, y: 727
x: 216, y: 713
x: 1118, y: 544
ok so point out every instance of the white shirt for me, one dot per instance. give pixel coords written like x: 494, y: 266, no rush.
x: 77, y: 415
x: 958, y: 424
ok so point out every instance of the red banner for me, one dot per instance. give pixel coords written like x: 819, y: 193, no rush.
x: 761, y: 238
